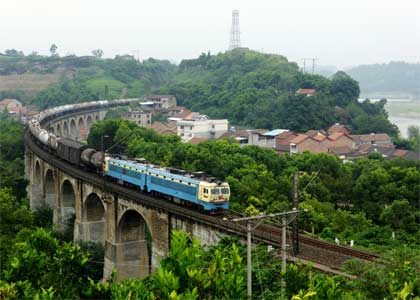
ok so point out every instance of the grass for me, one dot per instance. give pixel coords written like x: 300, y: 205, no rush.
x: 29, y: 83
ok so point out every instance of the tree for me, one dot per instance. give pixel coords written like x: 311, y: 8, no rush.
x: 400, y: 215
x: 45, y: 263
x: 53, y: 50
x: 14, y: 52
x: 413, y: 132
x: 98, y: 53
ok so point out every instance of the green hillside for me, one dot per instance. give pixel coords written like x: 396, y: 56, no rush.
x: 52, y: 80
x: 247, y: 87
x: 259, y: 90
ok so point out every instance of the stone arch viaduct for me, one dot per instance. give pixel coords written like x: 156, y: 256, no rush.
x: 134, y: 228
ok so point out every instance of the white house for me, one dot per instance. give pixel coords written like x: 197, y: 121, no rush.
x: 200, y: 126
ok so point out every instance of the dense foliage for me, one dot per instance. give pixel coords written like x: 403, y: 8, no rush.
x: 192, y: 272
x: 259, y: 90
x: 365, y: 200
x: 247, y: 87
x: 397, y: 77
x: 12, y: 156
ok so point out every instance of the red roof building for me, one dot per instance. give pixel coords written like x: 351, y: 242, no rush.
x: 306, y: 92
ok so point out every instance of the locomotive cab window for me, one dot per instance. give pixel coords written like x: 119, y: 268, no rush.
x: 215, y: 191
x: 225, y: 191
x: 205, y: 191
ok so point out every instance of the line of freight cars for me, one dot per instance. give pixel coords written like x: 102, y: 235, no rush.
x: 184, y: 187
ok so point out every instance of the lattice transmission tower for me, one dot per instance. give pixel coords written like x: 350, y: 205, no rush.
x: 235, y: 35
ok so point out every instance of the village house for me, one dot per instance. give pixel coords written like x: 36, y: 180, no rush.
x: 372, y: 138
x: 140, y: 117
x: 337, y: 127
x: 12, y: 106
x: 198, y: 125
x: 161, y: 101
x: 306, y: 92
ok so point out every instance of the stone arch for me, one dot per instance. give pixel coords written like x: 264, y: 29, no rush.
x: 58, y: 130
x: 68, y: 201
x: 81, y: 126
x: 97, y: 117
x: 89, y: 122
x: 94, y: 209
x: 73, y: 129
x: 66, y: 131
x: 81, y: 123
x: 37, y: 199
x: 134, y: 249
x: 93, y: 219
x: 49, y: 188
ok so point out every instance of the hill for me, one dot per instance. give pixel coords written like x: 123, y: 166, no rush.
x: 52, y: 80
x: 247, y: 87
x: 259, y: 90
x: 395, y: 79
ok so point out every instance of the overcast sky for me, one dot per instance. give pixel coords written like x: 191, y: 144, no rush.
x: 336, y: 32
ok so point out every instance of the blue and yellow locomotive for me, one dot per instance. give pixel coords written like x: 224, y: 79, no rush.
x: 179, y: 185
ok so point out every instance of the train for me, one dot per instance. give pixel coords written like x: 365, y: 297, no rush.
x: 194, y: 189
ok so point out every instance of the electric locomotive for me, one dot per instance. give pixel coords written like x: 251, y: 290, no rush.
x: 180, y: 186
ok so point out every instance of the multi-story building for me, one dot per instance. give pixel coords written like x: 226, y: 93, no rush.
x: 142, y: 118
x: 200, y: 126
x: 161, y: 101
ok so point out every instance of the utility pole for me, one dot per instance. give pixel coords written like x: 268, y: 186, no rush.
x: 295, y: 224
x: 313, y: 64
x: 259, y: 219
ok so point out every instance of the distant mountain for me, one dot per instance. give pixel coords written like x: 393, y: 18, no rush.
x: 326, y: 70
x: 395, y: 79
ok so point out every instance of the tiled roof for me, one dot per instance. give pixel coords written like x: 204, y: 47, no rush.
x: 319, y: 137
x: 336, y: 135
x: 197, y: 140
x: 161, y: 128
x: 400, y: 152
x: 338, y: 128
x: 300, y: 138
x: 285, y: 138
x: 183, y: 114
x: 6, y: 101
x: 306, y: 91
x: 371, y: 137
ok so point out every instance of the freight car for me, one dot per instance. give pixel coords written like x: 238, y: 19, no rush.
x: 70, y: 150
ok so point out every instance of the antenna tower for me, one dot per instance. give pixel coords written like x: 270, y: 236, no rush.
x: 235, y: 35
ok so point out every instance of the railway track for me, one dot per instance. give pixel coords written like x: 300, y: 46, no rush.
x: 312, y: 249
x: 310, y: 244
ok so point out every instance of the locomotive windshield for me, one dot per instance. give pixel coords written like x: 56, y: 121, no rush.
x: 225, y: 191
x: 215, y: 191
